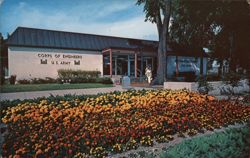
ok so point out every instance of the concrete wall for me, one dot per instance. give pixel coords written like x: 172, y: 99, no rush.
x: 192, y: 86
x: 27, y: 62
x: 219, y: 88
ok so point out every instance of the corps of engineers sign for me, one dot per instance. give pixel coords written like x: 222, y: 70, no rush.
x: 59, y: 59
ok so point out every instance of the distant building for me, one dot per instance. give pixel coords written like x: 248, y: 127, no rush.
x: 40, y: 53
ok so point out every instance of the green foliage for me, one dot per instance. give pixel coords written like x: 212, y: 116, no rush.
x: 79, y: 76
x: 248, y: 77
x: 203, y: 86
x: 104, y: 80
x: 192, y: 21
x: 76, y: 74
x: 43, y: 81
x: 70, y: 76
x: 23, y: 81
x: 12, y: 79
x: 2, y: 79
x: 151, y: 8
x: 231, y: 143
x: 221, y: 26
x: 213, y: 77
x: 232, y: 79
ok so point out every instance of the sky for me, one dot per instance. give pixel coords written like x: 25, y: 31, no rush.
x: 121, y: 18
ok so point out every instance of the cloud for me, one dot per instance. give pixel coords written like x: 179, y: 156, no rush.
x: 1, y: 1
x: 133, y: 28
x: 76, y: 20
x: 105, y: 10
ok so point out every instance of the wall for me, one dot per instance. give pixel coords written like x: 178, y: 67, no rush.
x: 220, y: 88
x: 217, y: 87
x: 192, y: 86
x: 27, y: 62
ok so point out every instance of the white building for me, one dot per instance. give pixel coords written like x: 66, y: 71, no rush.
x: 39, y: 53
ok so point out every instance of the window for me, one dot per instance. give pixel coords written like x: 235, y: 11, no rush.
x: 106, y: 64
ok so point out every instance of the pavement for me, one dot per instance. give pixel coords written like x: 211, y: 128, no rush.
x: 36, y: 94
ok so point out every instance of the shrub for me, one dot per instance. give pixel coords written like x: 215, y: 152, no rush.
x: 24, y: 81
x: 35, y: 80
x: 50, y: 80
x: 71, y: 74
x: 104, y: 80
x: 2, y: 77
x: 203, y: 86
x: 213, y: 78
x: 38, y: 81
x: 43, y: 81
x: 188, y: 76
x: 79, y: 76
x: 248, y: 77
x: 12, y: 79
x: 232, y: 79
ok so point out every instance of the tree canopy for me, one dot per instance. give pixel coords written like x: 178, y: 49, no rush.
x: 222, y: 26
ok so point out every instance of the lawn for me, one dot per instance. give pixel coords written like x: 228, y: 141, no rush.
x: 111, y: 123
x: 47, y: 87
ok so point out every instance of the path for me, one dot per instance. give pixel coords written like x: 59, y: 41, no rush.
x: 36, y: 94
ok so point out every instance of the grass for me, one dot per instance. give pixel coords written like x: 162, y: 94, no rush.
x: 46, y: 87
x: 231, y: 143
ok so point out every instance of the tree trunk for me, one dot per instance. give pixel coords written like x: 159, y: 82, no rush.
x: 161, y: 69
x: 220, y: 69
x: 201, y: 64
x: 232, y: 63
x: 162, y: 48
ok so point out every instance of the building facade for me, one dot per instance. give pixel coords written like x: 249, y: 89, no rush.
x: 27, y: 62
x: 39, y: 53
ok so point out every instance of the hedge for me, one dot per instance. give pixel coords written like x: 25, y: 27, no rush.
x: 75, y: 74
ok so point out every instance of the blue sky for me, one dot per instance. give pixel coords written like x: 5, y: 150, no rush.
x: 106, y: 17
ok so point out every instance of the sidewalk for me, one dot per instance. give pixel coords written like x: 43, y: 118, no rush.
x: 36, y: 94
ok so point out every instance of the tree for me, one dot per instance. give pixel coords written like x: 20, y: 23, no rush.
x: 222, y: 26
x: 234, y: 36
x: 158, y: 12
x: 192, y: 23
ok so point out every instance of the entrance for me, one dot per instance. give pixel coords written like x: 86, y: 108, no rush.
x: 127, y: 64
x: 123, y: 65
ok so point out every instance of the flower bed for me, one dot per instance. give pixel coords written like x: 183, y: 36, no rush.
x: 113, y: 122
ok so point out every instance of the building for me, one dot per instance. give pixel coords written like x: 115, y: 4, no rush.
x: 39, y: 53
